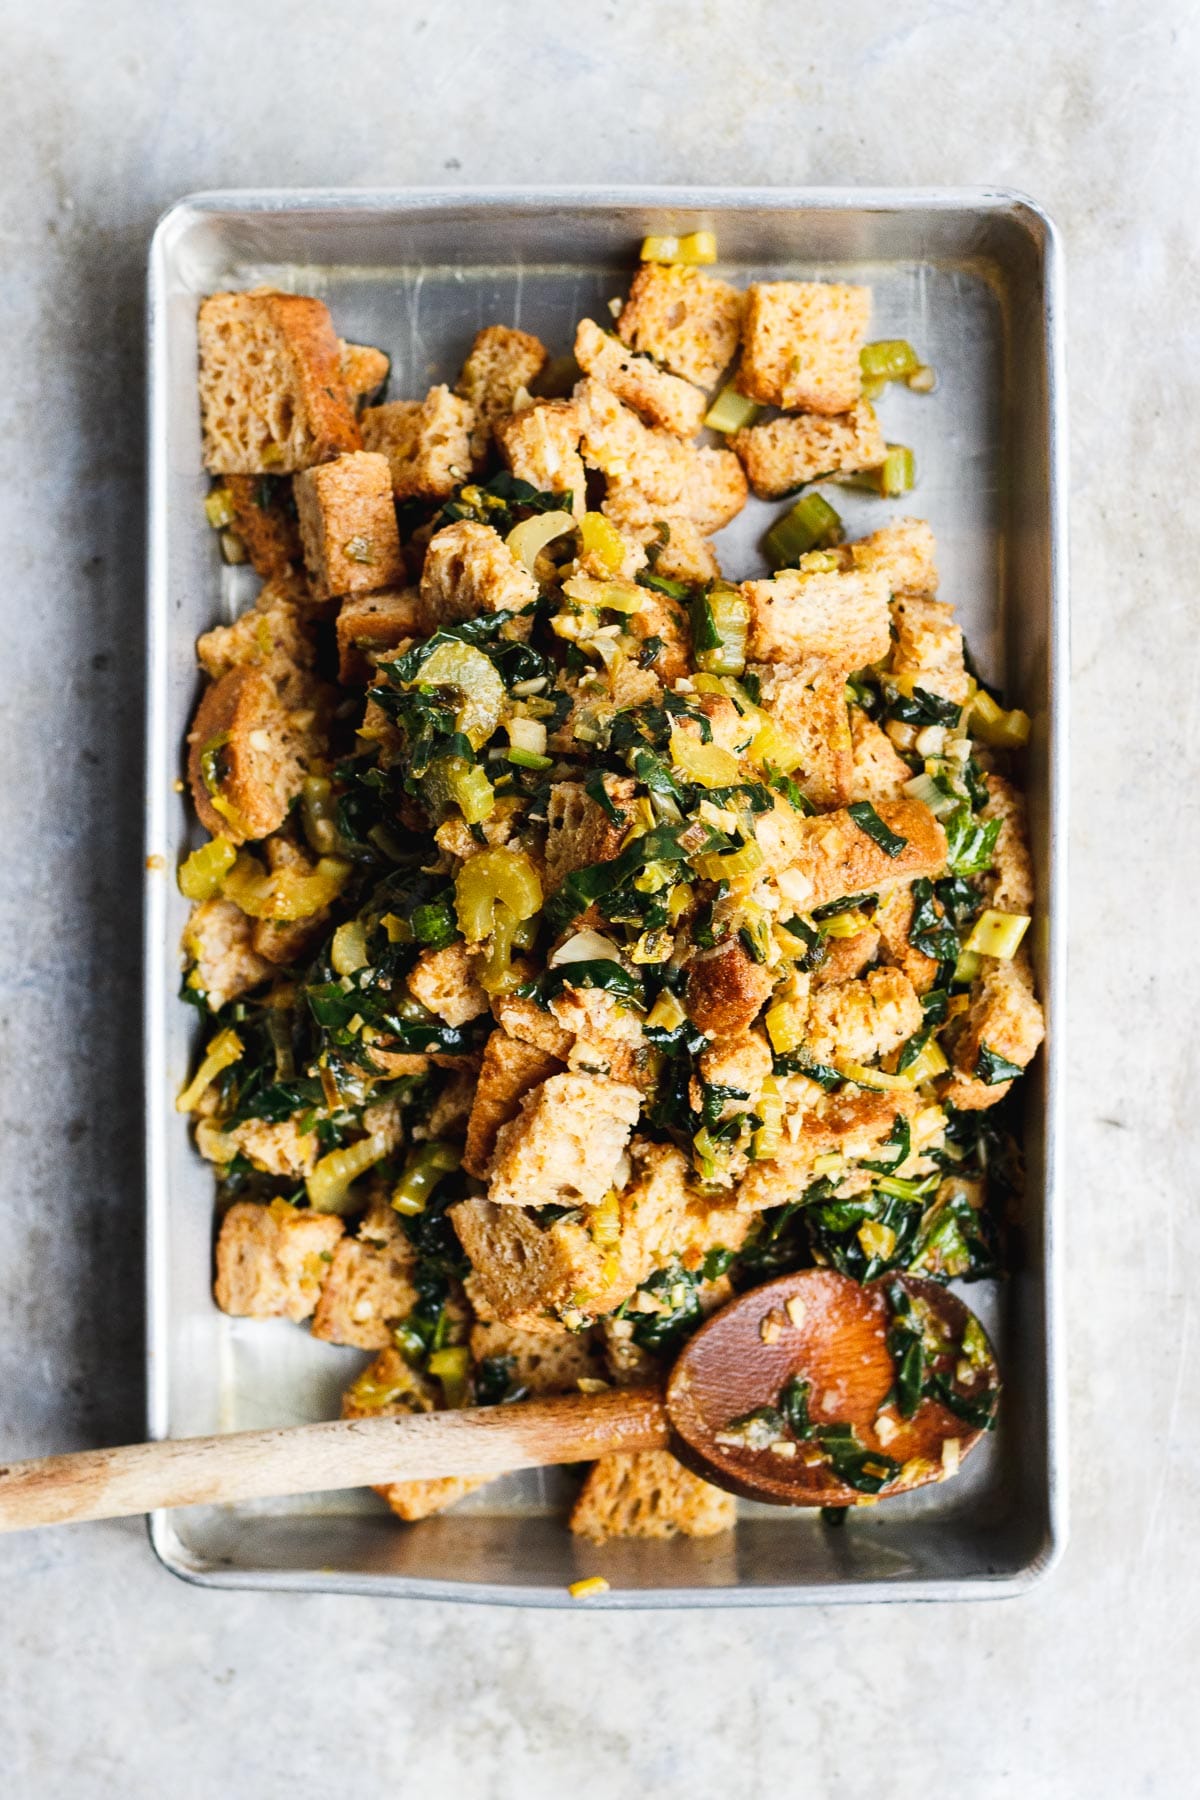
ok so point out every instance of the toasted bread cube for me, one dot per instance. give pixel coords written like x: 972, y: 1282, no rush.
x: 445, y: 982
x: 879, y: 772
x: 717, y: 489
x: 501, y: 362
x: 649, y: 1494
x: 578, y: 830
x: 566, y: 1146
x: 510, y: 1070
x: 364, y: 371
x: 807, y: 700
x: 801, y: 342
x: 1006, y: 1019
x: 348, y: 526
x: 852, y: 1124
x: 893, y: 919
x: 903, y: 551
x: 663, y: 399
x: 928, y: 651
x: 544, y: 1362
x: 833, y: 857
x: 273, y: 635
x: 271, y: 1260
x: 283, y: 941
x: 470, y: 570
x: 426, y: 443
x: 669, y: 475
x: 264, y: 518
x: 687, y: 321
x: 529, y: 1023
x: 743, y: 1061
x: 369, y: 1288
x: 218, y: 942
x: 686, y: 555
x: 370, y: 624
x: 271, y: 395
x: 783, y: 454
x: 540, y: 445
x: 817, y: 611
x: 725, y: 990
x: 389, y: 1388
x: 858, y: 1021
x: 244, y: 758
x: 846, y: 957
x: 1010, y: 886
x: 277, y: 1147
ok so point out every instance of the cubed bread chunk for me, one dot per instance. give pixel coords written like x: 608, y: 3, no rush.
x: 470, y: 570
x: 834, y: 857
x: 348, y: 526
x: 1009, y: 884
x: 893, y: 919
x: 801, y: 342
x: 542, y: 1362
x: 928, y: 647
x: 661, y: 398
x: 671, y: 475
x: 687, y: 321
x: 540, y: 445
x: 858, y: 1021
x: 273, y: 1146
x: 1005, y: 1019
x: 272, y: 1260
x: 272, y: 400
x: 853, y: 1124
x: 807, y: 700
x: 818, y: 611
x: 500, y: 362
x: 510, y: 1070
x: 218, y: 942
x: 446, y: 982
x: 649, y: 1494
x: 389, y: 1388
x: 370, y: 624
x: 782, y: 454
x: 846, y: 957
x: 244, y: 757
x: 879, y: 772
x: 369, y: 1287
x: 264, y: 518
x: 426, y: 443
x: 578, y: 830
x: 566, y: 1146
x: 903, y: 552
x: 287, y: 940
x: 364, y: 371
x: 274, y: 635
x: 725, y: 990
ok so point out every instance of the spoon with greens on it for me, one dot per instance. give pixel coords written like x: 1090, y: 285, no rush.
x: 809, y: 1391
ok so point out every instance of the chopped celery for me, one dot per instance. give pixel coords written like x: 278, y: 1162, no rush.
x: 450, y: 1366
x: 720, y: 622
x: 897, y: 472
x: 528, y: 539
x: 529, y: 759
x: 729, y: 865
x: 811, y: 524
x: 876, y: 1238
x: 705, y: 763
x: 997, y: 934
x: 693, y: 247
x: 348, y: 950
x: 967, y: 967
x: 452, y: 780
x: 226, y: 1049
x: 495, y: 877
x: 318, y: 811
x: 930, y: 1061
x: 876, y: 1078
x: 772, y: 745
x: 457, y: 665
x: 925, y: 789
x: 286, y: 894
x: 988, y: 721
x: 769, y: 1107
x: 785, y: 1022
x: 421, y: 1175
x: 889, y: 359
x: 200, y: 877
x: 331, y: 1180
x: 218, y: 508
x: 602, y: 541
x: 731, y: 411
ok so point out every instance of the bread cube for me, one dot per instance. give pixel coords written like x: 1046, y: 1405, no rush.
x: 687, y: 321
x: 801, y: 342
x: 427, y: 443
x: 245, y: 761
x: 446, y: 983
x: 348, y: 526
x: 369, y: 1287
x: 510, y: 1070
x: 218, y: 942
x: 858, y: 1021
x: 272, y: 400
x: 893, y: 919
x: 928, y: 647
x: 879, y: 772
x: 831, y: 856
x: 1006, y: 1019
x: 469, y: 570
x: 853, y: 1124
x: 1009, y: 884
x: 663, y: 399
x: 725, y: 990
x: 578, y: 830
x: 372, y: 624
x: 817, y: 611
x: 264, y: 518
x: 544, y: 1362
x: 567, y: 1144
x: 501, y: 362
x: 649, y: 1494
x: 283, y: 941
x: 540, y: 445
x: 274, y: 635
x: 807, y: 700
x: 783, y: 454
x: 903, y: 552
x: 271, y: 1260
x: 364, y: 371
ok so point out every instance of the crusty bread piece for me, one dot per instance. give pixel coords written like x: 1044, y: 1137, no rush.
x: 1009, y: 884
x: 903, y: 552
x: 686, y: 320
x: 566, y: 1145
x: 1005, y: 1018
x: 725, y: 989
x: 348, y: 526
x: 818, y: 611
x: 500, y: 362
x: 274, y: 635
x: 243, y: 745
x: 469, y: 570
x: 389, y: 1388
x: 852, y: 1123
x: 878, y: 772
x: 218, y: 942
x: 446, y: 982
x: 274, y: 1147
x: 510, y: 1069
x: 807, y: 700
x: 832, y: 856
x: 741, y: 1061
x: 369, y: 1288
x: 545, y: 1362
x: 364, y: 371
x: 893, y: 919
x: 846, y: 957
x: 427, y: 442
x: 523, y: 1019
x: 928, y: 647
x: 540, y: 444
x: 372, y: 623
x: 663, y: 399
x: 649, y: 1494
x: 782, y: 454
x: 272, y: 399
x: 706, y: 485
x: 801, y: 342
x: 271, y: 1260
x: 265, y: 522
x: 858, y: 1021
x: 578, y: 830
x: 283, y: 941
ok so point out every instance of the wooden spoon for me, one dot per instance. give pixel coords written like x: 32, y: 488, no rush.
x: 815, y: 1327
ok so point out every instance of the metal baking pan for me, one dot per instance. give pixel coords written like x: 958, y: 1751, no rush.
x: 974, y: 278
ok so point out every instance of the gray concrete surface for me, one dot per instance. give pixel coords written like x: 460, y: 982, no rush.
x: 115, y: 1680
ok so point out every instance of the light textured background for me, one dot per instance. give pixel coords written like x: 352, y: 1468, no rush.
x: 116, y: 1680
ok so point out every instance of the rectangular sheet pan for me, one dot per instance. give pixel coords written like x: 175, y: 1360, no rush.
x: 975, y: 280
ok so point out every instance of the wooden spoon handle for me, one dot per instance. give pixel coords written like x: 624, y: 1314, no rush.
x: 344, y: 1453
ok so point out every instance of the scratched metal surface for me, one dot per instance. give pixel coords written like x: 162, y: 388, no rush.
x: 964, y: 277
